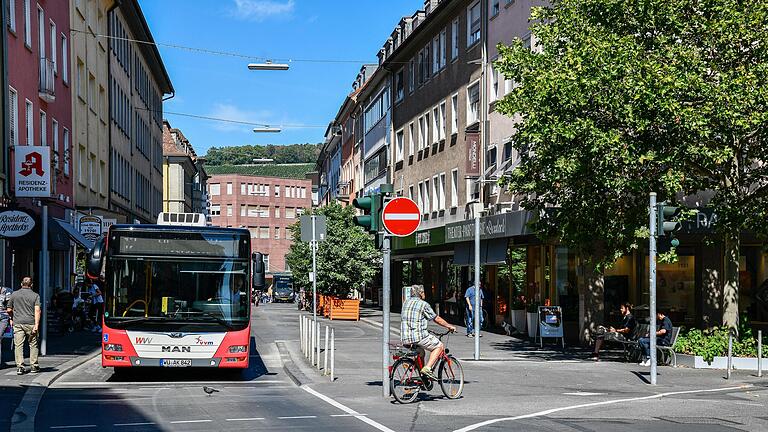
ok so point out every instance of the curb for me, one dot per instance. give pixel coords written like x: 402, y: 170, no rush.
x: 289, y: 367
x: 26, y: 411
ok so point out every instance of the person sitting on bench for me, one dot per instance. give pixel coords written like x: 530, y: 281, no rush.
x: 663, y: 337
x: 611, y: 334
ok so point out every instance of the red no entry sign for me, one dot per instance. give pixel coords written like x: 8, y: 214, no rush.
x: 401, y: 217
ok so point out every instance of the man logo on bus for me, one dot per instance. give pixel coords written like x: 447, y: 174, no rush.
x: 143, y: 340
x: 33, y: 162
x: 201, y: 341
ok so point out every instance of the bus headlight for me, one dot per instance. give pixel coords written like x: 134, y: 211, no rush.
x: 113, y: 347
x: 237, y: 349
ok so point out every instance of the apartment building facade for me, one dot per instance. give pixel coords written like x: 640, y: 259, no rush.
x: 138, y: 85
x: 90, y: 107
x: 184, y: 175
x: 265, y: 205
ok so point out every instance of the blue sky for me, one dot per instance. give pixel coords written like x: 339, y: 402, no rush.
x: 222, y: 86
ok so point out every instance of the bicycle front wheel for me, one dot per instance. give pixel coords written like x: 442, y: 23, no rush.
x: 451, y: 377
x: 405, y: 380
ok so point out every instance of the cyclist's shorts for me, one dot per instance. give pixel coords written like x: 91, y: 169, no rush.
x: 429, y: 343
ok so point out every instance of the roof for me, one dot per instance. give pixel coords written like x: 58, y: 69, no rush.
x: 140, y: 29
x: 288, y: 171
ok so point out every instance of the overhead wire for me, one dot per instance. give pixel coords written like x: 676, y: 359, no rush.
x: 241, y: 122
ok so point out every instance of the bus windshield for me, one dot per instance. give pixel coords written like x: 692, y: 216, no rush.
x: 191, y: 293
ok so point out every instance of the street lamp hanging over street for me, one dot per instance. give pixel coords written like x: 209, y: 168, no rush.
x: 267, y: 129
x: 268, y: 65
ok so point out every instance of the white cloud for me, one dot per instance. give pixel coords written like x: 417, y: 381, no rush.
x: 232, y: 112
x: 258, y: 10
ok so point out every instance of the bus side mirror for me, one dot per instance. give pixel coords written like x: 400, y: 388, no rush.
x: 258, y: 275
x: 95, y: 259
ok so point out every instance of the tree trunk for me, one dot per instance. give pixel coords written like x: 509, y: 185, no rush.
x: 731, y: 286
x: 591, y: 301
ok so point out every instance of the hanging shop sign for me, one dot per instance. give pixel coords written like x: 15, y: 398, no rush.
x: 106, y: 223
x: 473, y: 154
x: 15, y: 223
x: 90, y: 226
x: 32, y: 165
x: 501, y: 225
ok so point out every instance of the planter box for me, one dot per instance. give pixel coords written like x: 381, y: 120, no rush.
x: 739, y: 363
x: 343, y: 309
x: 518, y: 320
x: 533, y: 324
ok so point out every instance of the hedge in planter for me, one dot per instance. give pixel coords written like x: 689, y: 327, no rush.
x: 713, y: 342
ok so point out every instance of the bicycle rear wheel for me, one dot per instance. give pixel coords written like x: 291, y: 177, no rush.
x: 451, y: 377
x: 405, y: 380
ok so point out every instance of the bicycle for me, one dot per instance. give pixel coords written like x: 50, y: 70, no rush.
x: 406, y: 380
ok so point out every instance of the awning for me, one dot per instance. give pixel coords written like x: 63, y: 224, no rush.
x: 73, y: 233
x: 493, y: 251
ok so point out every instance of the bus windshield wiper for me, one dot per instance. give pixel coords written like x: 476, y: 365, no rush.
x: 219, y: 320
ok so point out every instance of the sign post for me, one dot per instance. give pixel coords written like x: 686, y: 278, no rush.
x: 652, y: 284
x: 312, y: 231
x: 401, y: 217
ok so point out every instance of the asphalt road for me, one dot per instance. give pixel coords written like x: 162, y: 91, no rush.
x: 261, y: 398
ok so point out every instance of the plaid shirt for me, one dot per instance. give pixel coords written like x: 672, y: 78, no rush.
x: 415, y: 316
x: 5, y: 295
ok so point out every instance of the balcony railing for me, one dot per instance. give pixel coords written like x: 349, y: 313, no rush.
x: 47, y: 84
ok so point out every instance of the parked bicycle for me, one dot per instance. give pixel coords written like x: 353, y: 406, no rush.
x: 406, y: 380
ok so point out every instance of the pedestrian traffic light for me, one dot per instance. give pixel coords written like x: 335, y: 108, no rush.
x: 667, y: 223
x: 371, y: 206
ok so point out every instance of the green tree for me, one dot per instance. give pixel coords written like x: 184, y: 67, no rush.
x: 346, y: 260
x: 282, y: 154
x: 621, y: 98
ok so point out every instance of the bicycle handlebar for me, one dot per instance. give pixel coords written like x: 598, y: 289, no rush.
x: 440, y: 335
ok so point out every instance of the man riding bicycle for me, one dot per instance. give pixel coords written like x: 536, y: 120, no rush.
x: 415, y: 316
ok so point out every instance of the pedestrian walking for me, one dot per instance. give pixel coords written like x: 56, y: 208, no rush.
x: 469, y: 296
x: 24, y: 310
x: 5, y: 319
x: 98, y: 305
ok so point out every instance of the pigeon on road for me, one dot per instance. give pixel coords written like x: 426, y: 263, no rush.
x: 209, y: 390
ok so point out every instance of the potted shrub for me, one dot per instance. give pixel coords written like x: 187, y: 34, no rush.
x: 518, y: 314
x: 532, y: 318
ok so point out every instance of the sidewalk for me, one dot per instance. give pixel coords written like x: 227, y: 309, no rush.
x: 61, y: 349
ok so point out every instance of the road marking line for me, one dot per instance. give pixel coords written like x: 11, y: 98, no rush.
x: 748, y: 404
x: 346, y: 409
x: 190, y: 421
x: 583, y: 394
x: 134, y: 424
x: 246, y: 419
x: 145, y: 384
x: 296, y: 417
x: 348, y: 415
x: 73, y: 427
x: 594, y: 404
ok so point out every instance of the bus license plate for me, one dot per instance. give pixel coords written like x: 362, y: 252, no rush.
x: 175, y: 363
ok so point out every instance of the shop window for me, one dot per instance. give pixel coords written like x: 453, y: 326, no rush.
x: 675, y: 289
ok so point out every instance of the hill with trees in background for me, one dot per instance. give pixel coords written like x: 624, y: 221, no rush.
x: 282, y: 154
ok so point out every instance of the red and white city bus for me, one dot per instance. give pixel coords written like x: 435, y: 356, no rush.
x: 175, y: 296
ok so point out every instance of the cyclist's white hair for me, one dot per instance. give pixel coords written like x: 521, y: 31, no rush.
x: 417, y: 290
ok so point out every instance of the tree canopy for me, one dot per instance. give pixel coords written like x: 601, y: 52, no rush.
x: 282, y: 154
x: 346, y: 260
x: 620, y: 98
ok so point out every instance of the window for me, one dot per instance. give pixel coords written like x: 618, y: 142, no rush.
x: 102, y: 103
x: 442, y: 48
x: 81, y: 79
x: 277, y: 233
x: 426, y: 129
x: 290, y: 213
x: 277, y: 212
x: 81, y: 165
x: 13, y: 101
x: 229, y: 209
x: 494, y: 7
x: 64, y: 59
x: 455, y: 114
x: 27, y: 24
x: 66, y: 152
x: 304, y: 192
x: 229, y: 188
x: 422, y: 133
x: 455, y: 39
x: 435, y: 124
x: 266, y: 263
x: 243, y: 209
x: 494, y: 83
x: 410, y: 192
x: 263, y: 232
x: 215, y: 210
x: 420, y: 200
x: 473, y: 103
x: 30, y: 124
x: 41, y: 32
x: 473, y: 24
x: 455, y: 188
x: 427, y: 205
x: 55, y: 133
x: 435, y: 193
x: 277, y: 190
x: 242, y: 188
x: 91, y: 92
x: 411, y: 75
x: 411, y: 140
x: 399, y: 146
x: 91, y: 176
x: 436, y: 54
x: 441, y: 206
x: 441, y: 131
x: 102, y: 174
x: 399, y: 85
x: 54, y: 48
x: 11, y: 12
x: 214, y: 189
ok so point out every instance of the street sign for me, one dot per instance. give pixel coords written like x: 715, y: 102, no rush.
x: 401, y: 217
x: 33, y: 174
x: 306, y: 228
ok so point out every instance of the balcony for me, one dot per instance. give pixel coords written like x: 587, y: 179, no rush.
x: 47, y: 89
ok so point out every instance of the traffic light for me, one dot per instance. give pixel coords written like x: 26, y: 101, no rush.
x: 371, y: 206
x: 666, y: 222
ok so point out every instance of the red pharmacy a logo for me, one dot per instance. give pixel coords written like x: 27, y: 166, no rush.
x: 33, y: 162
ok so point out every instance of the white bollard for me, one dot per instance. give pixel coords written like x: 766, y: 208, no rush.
x: 333, y: 353
x: 325, y: 355
x: 306, y: 339
x: 318, y: 346
x: 759, y: 353
x: 301, y: 335
x: 314, y: 342
x: 730, y: 354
